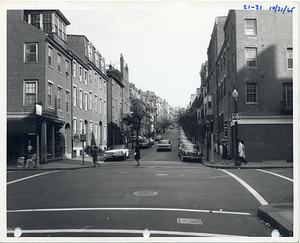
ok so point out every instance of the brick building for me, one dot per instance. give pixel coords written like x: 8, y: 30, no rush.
x: 256, y: 60
x: 89, y: 94
x: 38, y: 72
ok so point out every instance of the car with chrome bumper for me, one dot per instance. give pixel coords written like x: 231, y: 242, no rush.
x: 116, y: 152
x: 190, y: 152
x: 164, y: 144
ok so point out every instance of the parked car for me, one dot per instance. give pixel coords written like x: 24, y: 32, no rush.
x: 190, y: 152
x: 164, y: 145
x: 145, y: 143
x: 116, y: 152
x: 158, y: 137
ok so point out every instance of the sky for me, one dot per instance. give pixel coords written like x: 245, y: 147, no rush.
x: 163, y: 43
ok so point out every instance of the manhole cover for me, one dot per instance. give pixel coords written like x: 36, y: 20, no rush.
x: 145, y: 193
x: 283, y: 206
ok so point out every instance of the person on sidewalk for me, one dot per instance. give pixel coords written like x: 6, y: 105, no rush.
x: 242, y: 153
x: 224, y: 153
x: 95, y: 156
x: 137, y: 154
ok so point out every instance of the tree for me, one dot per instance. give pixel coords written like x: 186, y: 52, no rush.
x: 188, y: 121
x: 164, y: 123
x: 139, y: 110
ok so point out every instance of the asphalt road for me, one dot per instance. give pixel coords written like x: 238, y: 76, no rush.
x: 169, y: 197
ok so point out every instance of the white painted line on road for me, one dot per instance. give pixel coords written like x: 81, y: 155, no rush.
x: 121, y: 231
x: 161, y: 174
x: 272, y: 173
x: 28, y: 177
x: 249, y: 188
x: 126, y: 209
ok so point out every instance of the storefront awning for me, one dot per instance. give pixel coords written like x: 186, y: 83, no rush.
x: 25, y: 125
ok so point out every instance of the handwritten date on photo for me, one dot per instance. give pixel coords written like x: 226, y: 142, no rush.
x: 275, y: 8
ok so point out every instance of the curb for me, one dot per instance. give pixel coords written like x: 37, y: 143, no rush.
x: 278, y: 216
x: 218, y: 166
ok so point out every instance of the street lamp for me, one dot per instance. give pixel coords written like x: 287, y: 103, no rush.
x: 235, y: 95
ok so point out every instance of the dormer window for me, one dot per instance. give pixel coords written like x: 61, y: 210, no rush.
x: 48, y: 21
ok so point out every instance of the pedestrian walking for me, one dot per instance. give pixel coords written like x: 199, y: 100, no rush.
x: 137, y: 154
x: 95, y: 156
x: 242, y: 153
x: 224, y: 153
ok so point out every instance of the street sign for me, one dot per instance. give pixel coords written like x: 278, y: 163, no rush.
x: 236, y: 116
x: 38, y: 109
x: 82, y: 137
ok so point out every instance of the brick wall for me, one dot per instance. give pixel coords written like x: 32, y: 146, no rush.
x: 267, y: 142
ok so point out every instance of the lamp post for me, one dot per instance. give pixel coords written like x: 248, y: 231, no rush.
x: 235, y: 95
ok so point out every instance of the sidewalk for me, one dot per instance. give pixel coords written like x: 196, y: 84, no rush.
x: 217, y: 163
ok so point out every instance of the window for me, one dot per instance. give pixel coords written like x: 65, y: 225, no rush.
x: 74, y: 125
x: 100, y: 82
x: 80, y: 98
x: 100, y: 106
x: 91, y: 129
x: 90, y: 52
x: 74, y: 69
x: 67, y: 101
x: 96, y: 131
x: 104, y: 132
x: 74, y: 95
x: 35, y: 20
x: 81, y: 125
x: 30, y: 52
x: 91, y: 74
x: 50, y: 55
x: 59, y: 98
x: 96, y: 79
x: 290, y: 57
x: 97, y: 59
x: 47, y: 22
x: 91, y: 100
x: 30, y: 93
x: 85, y: 77
x: 50, y: 87
x: 59, y: 62
x: 104, y: 108
x: 96, y: 102
x: 86, y: 101
x: 55, y: 24
x: 80, y: 73
x: 250, y: 26
x: 104, y: 86
x: 67, y: 68
x: 251, y: 93
x: 287, y: 94
x: 102, y: 65
x: 251, y: 61
x: 60, y: 29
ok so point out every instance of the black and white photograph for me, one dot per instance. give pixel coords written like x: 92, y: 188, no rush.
x: 150, y: 121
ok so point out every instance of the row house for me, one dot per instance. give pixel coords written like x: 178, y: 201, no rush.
x: 115, y: 101
x: 56, y: 88
x: 89, y: 95
x: 38, y: 84
x: 253, y: 58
